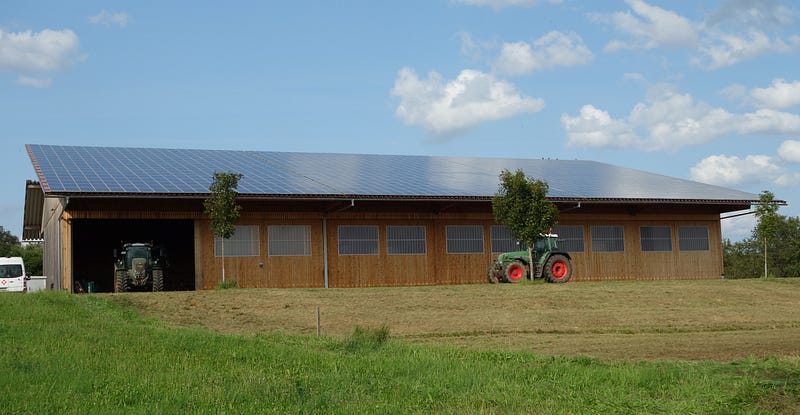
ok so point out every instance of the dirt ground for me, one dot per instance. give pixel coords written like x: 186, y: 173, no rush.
x: 677, y: 320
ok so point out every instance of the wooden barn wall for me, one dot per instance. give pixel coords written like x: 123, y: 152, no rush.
x: 633, y: 264
x: 436, y: 266
x: 264, y: 271
x: 53, y: 245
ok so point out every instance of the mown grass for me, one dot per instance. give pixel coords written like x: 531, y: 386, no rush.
x: 718, y: 320
x: 86, y: 354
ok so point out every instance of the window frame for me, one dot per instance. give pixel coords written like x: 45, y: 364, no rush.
x: 452, y: 240
x: 682, y: 240
x: 513, y: 242
x: 408, y: 242
x: 562, y: 240
x: 373, y: 243
x: 288, y: 242
x: 232, y: 243
x: 655, y: 240
x: 595, y: 239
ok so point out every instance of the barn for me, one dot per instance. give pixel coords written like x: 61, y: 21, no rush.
x: 358, y: 220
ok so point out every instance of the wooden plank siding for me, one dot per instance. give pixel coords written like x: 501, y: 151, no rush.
x: 263, y: 270
x: 633, y: 263
x: 436, y: 266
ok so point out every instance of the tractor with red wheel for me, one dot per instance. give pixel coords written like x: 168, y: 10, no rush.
x: 548, y: 262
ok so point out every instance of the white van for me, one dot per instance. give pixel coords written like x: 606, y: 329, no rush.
x: 12, y: 274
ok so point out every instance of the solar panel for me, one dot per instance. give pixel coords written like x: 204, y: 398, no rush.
x: 110, y: 170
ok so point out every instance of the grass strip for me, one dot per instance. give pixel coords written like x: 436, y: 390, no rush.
x: 84, y: 354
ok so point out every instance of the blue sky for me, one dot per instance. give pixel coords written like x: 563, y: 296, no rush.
x: 702, y: 90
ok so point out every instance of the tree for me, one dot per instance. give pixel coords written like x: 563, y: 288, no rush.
x: 768, y: 221
x: 222, y: 209
x: 521, y: 204
x: 8, y: 242
x: 775, y: 234
x: 32, y: 256
x: 741, y: 258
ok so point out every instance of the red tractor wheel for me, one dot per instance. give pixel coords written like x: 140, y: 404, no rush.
x: 515, y: 272
x: 558, y: 269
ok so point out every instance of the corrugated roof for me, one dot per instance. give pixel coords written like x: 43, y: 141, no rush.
x: 98, y: 171
x: 32, y: 218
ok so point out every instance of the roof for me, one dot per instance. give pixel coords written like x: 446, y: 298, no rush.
x: 32, y: 218
x: 119, y: 171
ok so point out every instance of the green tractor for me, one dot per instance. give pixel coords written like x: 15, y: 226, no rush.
x: 139, y: 267
x: 549, y: 263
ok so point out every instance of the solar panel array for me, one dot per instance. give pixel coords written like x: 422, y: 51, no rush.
x: 124, y: 170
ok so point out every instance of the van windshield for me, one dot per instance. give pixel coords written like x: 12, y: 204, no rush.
x: 10, y: 271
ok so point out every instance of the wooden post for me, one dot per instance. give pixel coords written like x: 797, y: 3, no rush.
x: 318, y: 322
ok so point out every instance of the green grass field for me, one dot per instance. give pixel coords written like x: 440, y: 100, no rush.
x: 107, y: 354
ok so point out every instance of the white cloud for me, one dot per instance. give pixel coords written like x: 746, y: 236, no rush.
x: 48, y: 50
x: 721, y: 49
x: 738, y: 227
x: 789, y: 151
x: 729, y: 170
x: 668, y: 120
x: 634, y: 76
x: 446, y: 107
x: 781, y: 94
x: 762, y: 14
x: 725, y: 170
x: 110, y: 18
x: 33, y: 82
x: 648, y: 27
x: 549, y: 51
x: 595, y: 128
x: 735, y: 32
x: 504, y: 3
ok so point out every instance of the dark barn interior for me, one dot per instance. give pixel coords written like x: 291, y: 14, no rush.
x: 94, y: 242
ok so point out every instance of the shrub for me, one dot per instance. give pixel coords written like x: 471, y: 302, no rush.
x: 224, y: 285
x: 366, y: 339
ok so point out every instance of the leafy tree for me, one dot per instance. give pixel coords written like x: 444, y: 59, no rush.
x: 521, y: 204
x: 8, y: 242
x: 222, y: 209
x: 768, y: 222
x: 775, y: 234
x: 32, y: 256
x: 785, y: 247
x: 742, y: 259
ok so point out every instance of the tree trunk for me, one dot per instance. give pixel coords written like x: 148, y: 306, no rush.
x: 531, y: 265
x: 223, y: 260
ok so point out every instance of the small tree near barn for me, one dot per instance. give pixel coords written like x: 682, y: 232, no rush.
x: 222, y: 209
x: 768, y: 221
x: 521, y: 204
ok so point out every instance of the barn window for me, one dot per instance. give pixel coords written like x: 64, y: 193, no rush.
x: 289, y: 240
x: 243, y: 242
x: 608, y: 239
x: 465, y: 239
x: 405, y: 240
x: 358, y: 240
x: 693, y: 238
x: 570, y: 237
x: 656, y: 238
x: 503, y: 240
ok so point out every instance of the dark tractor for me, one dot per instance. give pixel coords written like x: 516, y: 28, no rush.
x: 139, y: 267
x: 549, y: 263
